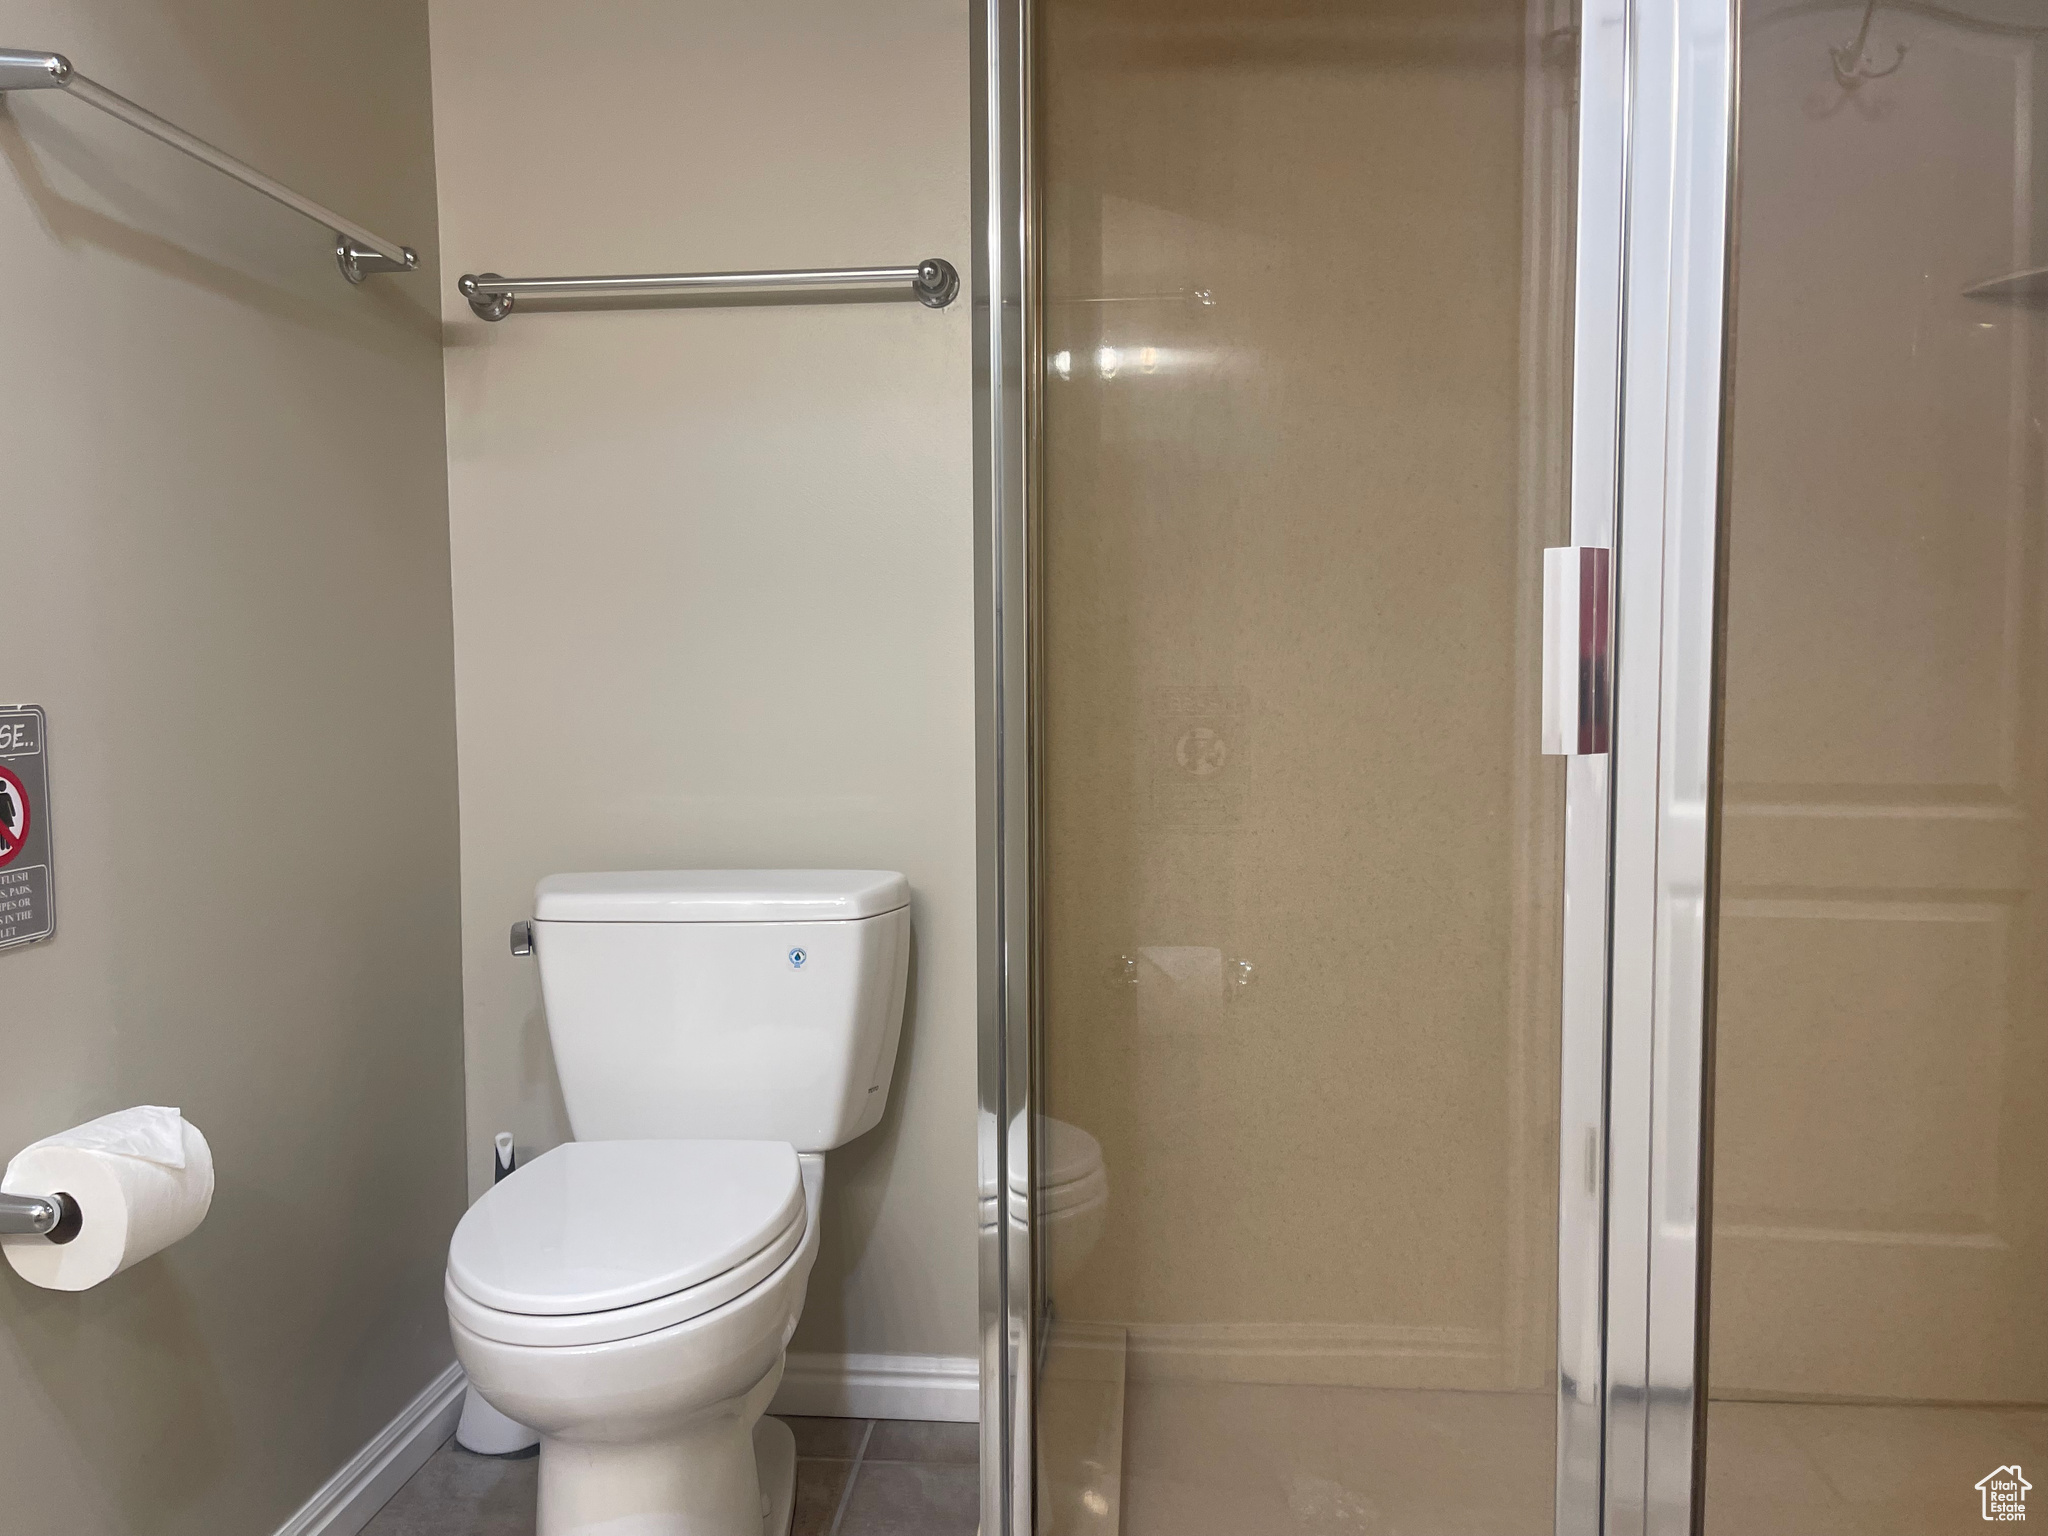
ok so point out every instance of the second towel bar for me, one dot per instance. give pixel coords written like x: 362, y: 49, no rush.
x: 933, y: 282
x: 357, y: 251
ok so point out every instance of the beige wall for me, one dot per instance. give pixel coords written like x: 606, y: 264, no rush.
x: 226, y: 549
x: 1288, y: 547
x: 713, y: 567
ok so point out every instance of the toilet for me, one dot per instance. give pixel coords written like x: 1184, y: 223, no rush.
x: 1073, y: 1195
x: 630, y: 1294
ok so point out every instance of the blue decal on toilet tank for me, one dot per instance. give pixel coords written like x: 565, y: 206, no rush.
x: 796, y: 959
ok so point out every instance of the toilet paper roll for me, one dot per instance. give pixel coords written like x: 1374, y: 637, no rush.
x: 1180, y: 990
x: 143, y: 1178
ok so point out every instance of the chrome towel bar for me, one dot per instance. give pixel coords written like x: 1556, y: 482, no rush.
x: 357, y: 251
x: 932, y: 282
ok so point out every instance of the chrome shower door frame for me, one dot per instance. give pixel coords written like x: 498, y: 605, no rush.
x: 1003, y: 307
x: 1677, y: 239
x: 1582, y: 1108
x: 1654, y: 172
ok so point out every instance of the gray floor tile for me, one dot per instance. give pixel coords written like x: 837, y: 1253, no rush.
x: 917, y: 1479
x: 836, y: 1438
x: 925, y: 1440
x: 819, y: 1487
x: 460, y: 1494
x: 913, y: 1498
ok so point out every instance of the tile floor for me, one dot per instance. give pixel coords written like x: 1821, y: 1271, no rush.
x: 1226, y: 1459
x: 1824, y: 1469
x: 1241, y: 1459
x: 854, y: 1477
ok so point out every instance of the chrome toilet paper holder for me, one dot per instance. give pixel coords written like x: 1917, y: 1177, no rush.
x: 56, y: 1217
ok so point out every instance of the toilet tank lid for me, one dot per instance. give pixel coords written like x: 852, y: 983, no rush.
x: 720, y: 896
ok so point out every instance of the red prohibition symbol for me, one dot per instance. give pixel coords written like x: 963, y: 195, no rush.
x: 14, y: 815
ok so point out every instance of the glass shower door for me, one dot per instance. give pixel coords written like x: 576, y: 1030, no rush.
x: 1378, y: 1161
x: 1879, y: 1340
x: 1303, y: 384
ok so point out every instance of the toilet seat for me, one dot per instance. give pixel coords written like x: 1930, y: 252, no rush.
x: 599, y: 1241
x: 1067, y: 1154
x: 1071, y: 1173
x: 1055, y: 1198
x: 625, y: 1322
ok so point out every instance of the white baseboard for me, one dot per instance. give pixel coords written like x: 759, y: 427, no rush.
x: 348, y: 1500
x: 881, y: 1387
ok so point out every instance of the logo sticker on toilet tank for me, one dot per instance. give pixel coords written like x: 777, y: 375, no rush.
x: 796, y: 959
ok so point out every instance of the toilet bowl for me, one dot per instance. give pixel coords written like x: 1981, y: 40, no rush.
x: 629, y: 1295
x: 1073, y: 1194
x: 630, y: 1301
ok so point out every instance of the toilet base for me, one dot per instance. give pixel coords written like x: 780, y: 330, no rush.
x: 775, y: 1456
x: 711, y: 1483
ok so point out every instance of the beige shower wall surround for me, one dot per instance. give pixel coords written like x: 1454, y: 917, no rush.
x: 1284, y: 536
x: 713, y: 566
x: 225, y: 545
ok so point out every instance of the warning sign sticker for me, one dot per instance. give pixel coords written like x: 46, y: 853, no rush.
x: 27, y: 898
x: 14, y: 816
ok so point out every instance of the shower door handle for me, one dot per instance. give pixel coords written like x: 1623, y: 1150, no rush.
x: 1578, y: 651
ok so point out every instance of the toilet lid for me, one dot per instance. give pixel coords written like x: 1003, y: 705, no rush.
x: 595, y: 1225
x: 1066, y: 1153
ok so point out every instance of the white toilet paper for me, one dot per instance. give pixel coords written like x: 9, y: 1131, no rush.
x: 142, y: 1177
x: 1180, y: 989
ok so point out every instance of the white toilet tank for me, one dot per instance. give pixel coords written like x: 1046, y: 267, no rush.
x: 730, y: 1004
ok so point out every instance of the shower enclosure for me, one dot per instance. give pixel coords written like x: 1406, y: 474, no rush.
x: 1513, y: 806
